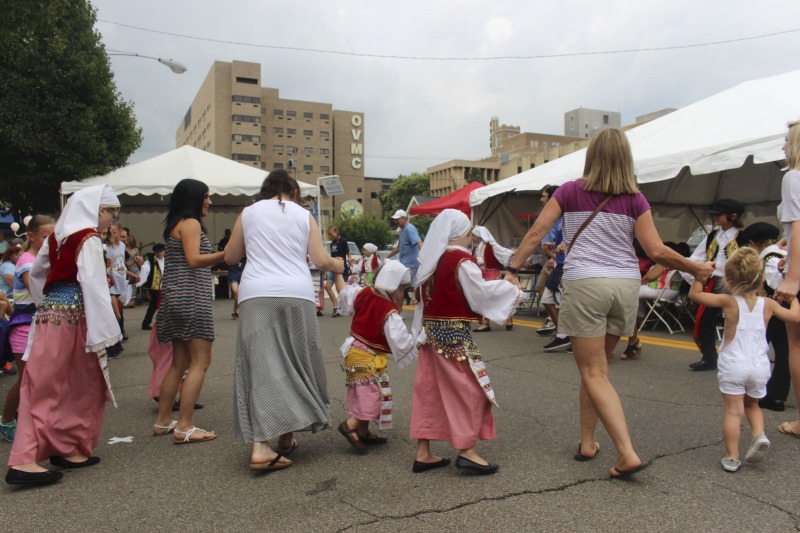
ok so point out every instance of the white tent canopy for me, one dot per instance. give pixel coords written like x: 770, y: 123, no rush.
x: 159, y: 175
x: 144, y: 189
x: 727, y: 145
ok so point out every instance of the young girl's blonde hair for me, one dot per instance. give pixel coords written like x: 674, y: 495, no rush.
x: 744, y: 272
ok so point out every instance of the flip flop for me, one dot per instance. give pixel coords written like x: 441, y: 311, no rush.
x: 287, y: 451
x: 786, y: 429
x: 272, y: 465
x: 580, y: 457
x: 625, y: 474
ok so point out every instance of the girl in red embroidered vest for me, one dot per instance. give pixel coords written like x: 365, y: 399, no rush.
x: 452, y: 394
x: 367, y: 268
x: 376, y: 331
x: 491, y: 259
x: 66, y: 380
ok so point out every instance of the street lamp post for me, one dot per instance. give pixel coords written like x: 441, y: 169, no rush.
x: 174, y: 66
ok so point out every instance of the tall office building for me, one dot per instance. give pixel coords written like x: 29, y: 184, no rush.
x: 233, y: 116
x: 583, y: 122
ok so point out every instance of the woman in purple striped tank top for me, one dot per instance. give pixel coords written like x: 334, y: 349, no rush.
x: 601, y: 280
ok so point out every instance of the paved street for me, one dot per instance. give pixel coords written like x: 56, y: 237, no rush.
x: 674, y: 416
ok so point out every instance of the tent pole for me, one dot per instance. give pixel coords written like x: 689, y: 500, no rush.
x: 488, y: 216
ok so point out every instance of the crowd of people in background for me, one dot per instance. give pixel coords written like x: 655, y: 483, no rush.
x: 65, y: 289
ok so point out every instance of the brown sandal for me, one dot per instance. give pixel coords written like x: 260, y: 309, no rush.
x: 352, y: 437
x: 372, y: 438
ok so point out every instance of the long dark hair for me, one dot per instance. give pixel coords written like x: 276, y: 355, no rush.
x: 186, y: 202
x: 279, y: 182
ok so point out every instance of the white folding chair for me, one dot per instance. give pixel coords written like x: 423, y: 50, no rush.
x: 660, y: 310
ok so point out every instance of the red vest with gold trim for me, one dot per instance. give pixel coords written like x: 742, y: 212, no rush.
x: 64, y: 260
x: 490, y: 262
x: 443, y: 298
x: 371, y: 311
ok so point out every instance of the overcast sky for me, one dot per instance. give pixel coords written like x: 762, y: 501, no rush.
x: 423, y: 112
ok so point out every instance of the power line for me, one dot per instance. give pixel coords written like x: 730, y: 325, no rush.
x: 423, y: 58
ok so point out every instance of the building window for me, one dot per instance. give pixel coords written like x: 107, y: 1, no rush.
x: 325, y: 168
x: 308, y: 168
x: 373, y: 195
x: 247, y: 138
x: 249, y: 81
x: 263, y: 164
x: 306, y: 114
x: 263, y: 129
x: 276, y: 129
x: 277, y: 112
x: 246, y: 99
x: 324, y: 134
x: 263, y: 146
x: 605, y: 120
x: 245, y: 157
x: 308, y: 133
x: 291, y: 131
x: 359, y: 189
x: 246, y: 118
x: 277, y: 166
x: 308, y: 150
x: 277, y: 148
x: 263, y: 110
x: 325, y: 151
x: 324, y: 116
x: 291, y: 113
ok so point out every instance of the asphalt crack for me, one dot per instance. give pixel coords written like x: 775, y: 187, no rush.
x: 423, y: 512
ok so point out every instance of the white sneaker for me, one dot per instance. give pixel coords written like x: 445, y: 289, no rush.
x: 731, y: 465
x: 758, y: 449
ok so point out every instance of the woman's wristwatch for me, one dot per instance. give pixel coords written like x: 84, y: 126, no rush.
x: 512, y: 270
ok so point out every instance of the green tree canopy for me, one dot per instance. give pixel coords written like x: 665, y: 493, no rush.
x: 401, y: 191
x: 61, y: 116
x: 364, y: 229
x: 475, y: 174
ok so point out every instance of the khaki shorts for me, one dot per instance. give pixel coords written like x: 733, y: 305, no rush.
x: 595, y: 307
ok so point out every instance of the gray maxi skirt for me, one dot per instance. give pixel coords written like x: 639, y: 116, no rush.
x: 279, y: 383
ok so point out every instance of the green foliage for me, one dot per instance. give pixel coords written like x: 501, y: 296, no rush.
x: 61, y: 116
x: 475, y: 174
x: 364, y: 229
x: 404, y: 187
x: 422, y: 223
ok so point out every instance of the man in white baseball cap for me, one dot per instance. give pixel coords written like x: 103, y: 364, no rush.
x: 409, y: 245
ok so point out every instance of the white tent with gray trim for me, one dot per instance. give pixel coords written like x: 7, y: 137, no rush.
x: 144, y: 189
x: 729, y: 145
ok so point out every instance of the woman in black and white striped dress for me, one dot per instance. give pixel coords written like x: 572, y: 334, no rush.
x: 184, y: 318
x: 279, y: 383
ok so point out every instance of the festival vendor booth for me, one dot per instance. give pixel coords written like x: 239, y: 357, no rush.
x: 144, y: 190
x: 728, y: 145
x: 455, y: 200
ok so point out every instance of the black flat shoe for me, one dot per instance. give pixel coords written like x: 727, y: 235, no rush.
x: 476, y: 468
x: 177, y: 406
x: 702, y: 365
x: 509, y: 327
x: 18, y: 477
x: 481, y: 330
x: 60, y: 462
x: 424, y: 467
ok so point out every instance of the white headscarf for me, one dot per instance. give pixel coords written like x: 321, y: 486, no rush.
x: 392, y: 275
x: 449, y: 225
x: 82, y: 210
x: 501, y: 253
x: 371, y: 248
